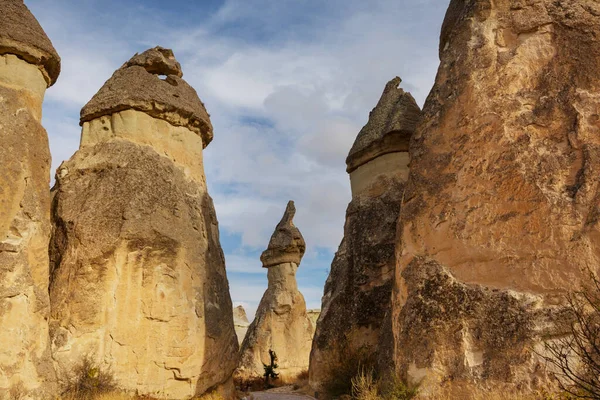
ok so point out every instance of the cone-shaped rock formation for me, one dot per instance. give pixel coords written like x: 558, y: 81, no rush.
x: 28, y: 65
x: 281, y: 323
x: 500, y: 212
x: 138, y: 275
x: 240, y: 320
x: 354, y: 328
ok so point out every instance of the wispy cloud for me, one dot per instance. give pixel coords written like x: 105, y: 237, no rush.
x: 288, y: 85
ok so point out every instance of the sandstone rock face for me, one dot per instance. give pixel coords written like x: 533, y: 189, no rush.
x: 281, y: 323
x: 501, y: 209
x: 354, y: 326
x: 138, y: 276
x: 241, y: 323
x: 28, y: 65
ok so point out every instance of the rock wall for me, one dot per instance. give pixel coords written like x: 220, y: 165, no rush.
x: 28, y: 65
x: 354, y: 327
x: 281, y: 323
x: 138, y: 275
x: 500, y: 212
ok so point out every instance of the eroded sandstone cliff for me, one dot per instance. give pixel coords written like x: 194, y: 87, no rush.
x: 354, y: 327
x: 281, y: 323
x: 138, y: 275
x: 500, y: 212
x: 28, y: 65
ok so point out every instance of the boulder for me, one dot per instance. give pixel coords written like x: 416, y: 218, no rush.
x: 281, y: 323
x: 500, y: 213
x: 28, y: 66
x: 138, y: 275
x: 354, y: 327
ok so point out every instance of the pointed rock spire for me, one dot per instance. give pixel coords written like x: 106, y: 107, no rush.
x: 138, y: 85
x: 390, y: 126
x: 287, y: 243
x: 22, y: 35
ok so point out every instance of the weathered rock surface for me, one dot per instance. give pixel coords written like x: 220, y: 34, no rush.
x: 28, y: 65
x: 354, y: 327
x: 314, y: 316
x: 281, y: 323
x: 501, y: 209
x: 138, y: 275
x: 21, y: 35
x: 241, y: 323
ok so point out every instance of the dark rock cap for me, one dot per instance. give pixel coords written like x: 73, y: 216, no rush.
x: 286, y: 244
x: 22, y: 35
x: 138, y: 85
x: 457, y: 11
x: 391, y: 124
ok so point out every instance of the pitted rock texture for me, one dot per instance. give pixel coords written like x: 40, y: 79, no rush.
x: 241, y: 323
x: 502, y: 197
x: 358, y: 291
x: 22, y: 35
x: 389, y: 128
x: 286, y: 244
x: 138, y: 85
x: 138, y: 277
x: 281, y: 323
x: 354, y: 328
x: 25, y: 361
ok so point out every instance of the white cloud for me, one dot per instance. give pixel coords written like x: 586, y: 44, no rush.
x: 287, y: 96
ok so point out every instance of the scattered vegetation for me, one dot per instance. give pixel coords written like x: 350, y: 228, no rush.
x: 344, y: 368
x: 89, y: 381
x: 270, y: 370
x: 366, y: 386
x: 576, y: 357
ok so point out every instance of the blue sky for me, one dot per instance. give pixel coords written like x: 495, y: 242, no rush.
x: 288, y: 84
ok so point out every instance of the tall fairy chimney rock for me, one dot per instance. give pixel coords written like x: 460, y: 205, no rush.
x: 241, y: 323
x: 354, y: 326
x: 500, y: 213
x: 138, y: 274
x: 28, y: 66
x: 281, y: 323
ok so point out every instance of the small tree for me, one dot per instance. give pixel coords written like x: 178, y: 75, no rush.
x: 576, y: 357
x: 270, y: 369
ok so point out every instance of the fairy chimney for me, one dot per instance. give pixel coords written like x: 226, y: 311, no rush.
x: 500, y: 213
x: 354, y: 327
x: 29, y: 64
x: 281, y: 323
x: 138, y: 274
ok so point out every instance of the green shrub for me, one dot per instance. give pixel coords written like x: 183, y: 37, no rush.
x: 345, y: 368
x: 89, y: 380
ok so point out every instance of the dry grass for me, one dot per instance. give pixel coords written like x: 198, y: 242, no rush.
x: 366, y: 386
x: 124, y: 396
x: 500, y: 395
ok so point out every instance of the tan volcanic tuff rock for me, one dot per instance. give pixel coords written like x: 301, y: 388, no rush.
x: 21, y: 35
x: 354, y: 327
x: 501, y: 210
x: 138, y: 275
x: 138, y: 85
x: 27, y: 59
x: 281, y: 323
x: 241, y: 323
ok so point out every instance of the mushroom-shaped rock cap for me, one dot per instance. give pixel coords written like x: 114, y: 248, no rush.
x: 286, y: 244
x: 22, y: 35
x: 138, y: 85
x: 391, y: 124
